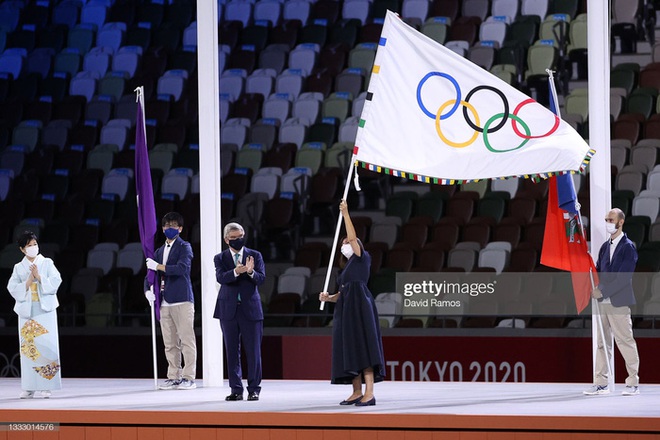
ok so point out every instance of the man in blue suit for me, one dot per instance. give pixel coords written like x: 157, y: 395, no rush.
x: 240, y: 271
x: 616, y: 263
x: 177, y: 309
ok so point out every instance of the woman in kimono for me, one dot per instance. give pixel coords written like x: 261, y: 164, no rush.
x: 357, y: 347
x: 33, y: 284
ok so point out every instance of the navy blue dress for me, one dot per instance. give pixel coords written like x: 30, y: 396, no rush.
x: 356, y: 339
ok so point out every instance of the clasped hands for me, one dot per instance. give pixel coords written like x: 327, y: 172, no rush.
x: 248, y: 267
x: 33, y: 277
x: 34, y: 273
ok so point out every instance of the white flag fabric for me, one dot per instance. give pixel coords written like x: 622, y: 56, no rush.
x: 433, y: 116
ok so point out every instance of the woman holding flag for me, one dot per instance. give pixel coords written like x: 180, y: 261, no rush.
x: 357, y: 347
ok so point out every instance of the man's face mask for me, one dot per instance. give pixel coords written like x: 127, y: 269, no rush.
x: 237, y: 243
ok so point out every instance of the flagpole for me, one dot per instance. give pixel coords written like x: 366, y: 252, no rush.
x: 351, y: 167
x: 154, y: 358
x: 153, y: 341
x: 146, y: 222
x: 599, y: 322
x: 599, y: 64
x: 595, y: 307
x: 140, y: 98
x: 595, y: 313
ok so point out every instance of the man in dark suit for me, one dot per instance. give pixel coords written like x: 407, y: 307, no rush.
x: 616, y: 263
x: 177, y: 310
x: 240, y: 271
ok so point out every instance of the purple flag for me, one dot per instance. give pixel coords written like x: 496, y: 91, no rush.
x: 145, y: 196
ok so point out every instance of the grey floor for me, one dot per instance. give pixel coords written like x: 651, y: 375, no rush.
x: 467, y: 398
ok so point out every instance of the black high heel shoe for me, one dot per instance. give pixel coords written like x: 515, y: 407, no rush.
x: 371, y: 402
x: 351, y: 402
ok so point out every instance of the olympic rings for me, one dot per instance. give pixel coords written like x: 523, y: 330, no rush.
x: 419, y: 94
x: 504, y: 100
x: 466, y: 105
x: 504, y: 116
x: 474, y: 121
x: 515, y: 128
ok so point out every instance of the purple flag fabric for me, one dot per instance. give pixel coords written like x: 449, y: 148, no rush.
x: 145, y: 196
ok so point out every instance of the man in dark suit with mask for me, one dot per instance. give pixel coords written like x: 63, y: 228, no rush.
x: 172, y: 263
x: 240, y: 271
x: 616, y: 263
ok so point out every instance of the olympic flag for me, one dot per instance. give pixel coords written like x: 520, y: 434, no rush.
x: 433, y: 116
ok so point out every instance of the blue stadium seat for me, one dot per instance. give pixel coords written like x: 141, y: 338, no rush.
x: 67, y: 62
x: 6, y: 178
x: 239, y: 11
x: 173, y: 83
x: 113, y: 85
x: 177, y: 181
x: 13, y: 158
x: 40, y: 60
x: 12, y: 61
x: 98, y: 60
x: 94, y: 13
x: 99, y: 109
x: 10, y: 15
x: 27, y: 134
x: 81, y: 37
x: 118, y: 181
x: 84, y: 84
x: 66, y: 13
x: 190, y: 35
x: 111, y: 35
x: 270, y: 10
x: 114, y: 134
x: 127, y: 59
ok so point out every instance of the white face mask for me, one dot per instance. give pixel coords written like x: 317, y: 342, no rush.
x: 347, y: 250
x: 32, y: 251
x: 611, y: 228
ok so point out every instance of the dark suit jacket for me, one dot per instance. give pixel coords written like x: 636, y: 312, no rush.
x: 616, y: 276
x: 231, y: 286
x: 178, y: 287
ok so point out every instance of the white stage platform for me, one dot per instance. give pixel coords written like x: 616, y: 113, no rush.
x: 313, y: 406
x: 472, y: 398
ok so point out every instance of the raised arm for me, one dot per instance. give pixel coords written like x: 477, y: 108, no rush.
x: 350, y: 229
